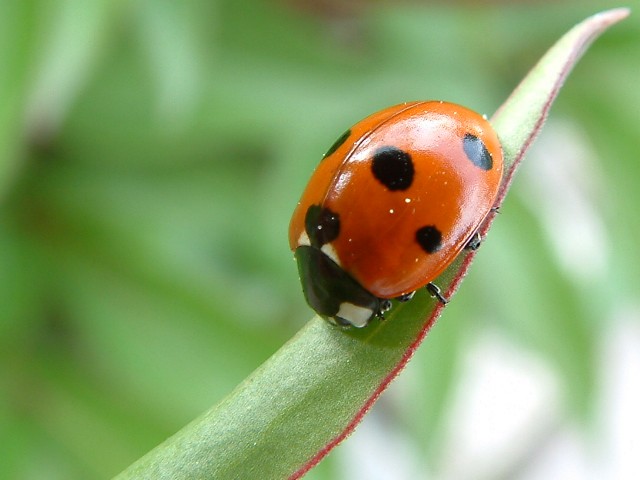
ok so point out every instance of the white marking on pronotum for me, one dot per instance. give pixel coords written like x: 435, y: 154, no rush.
x: 330, y: 252
x: 357, y: 316
x: 303, y: 239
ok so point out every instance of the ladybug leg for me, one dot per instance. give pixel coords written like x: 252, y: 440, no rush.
x: 385, y: 306
x: 476, y: 239
x: 406, y: 297
x: 474, y: 242
x: 435, y: 291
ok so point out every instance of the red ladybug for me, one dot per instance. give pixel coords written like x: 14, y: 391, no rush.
x: 391, y: 205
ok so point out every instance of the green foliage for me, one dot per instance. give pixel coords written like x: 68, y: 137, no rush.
x: 308, y: 396
x: 151, y: 154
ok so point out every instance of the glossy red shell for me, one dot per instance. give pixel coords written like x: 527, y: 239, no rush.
x: 377, y: 238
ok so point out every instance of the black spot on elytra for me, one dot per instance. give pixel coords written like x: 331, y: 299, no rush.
x: 322, y: 225
x: 477, y: 152
x: 429, y: 238
x: 337, y: 143
x: 393, y: 168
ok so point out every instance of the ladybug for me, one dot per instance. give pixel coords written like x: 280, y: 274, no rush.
x: 392, y: 203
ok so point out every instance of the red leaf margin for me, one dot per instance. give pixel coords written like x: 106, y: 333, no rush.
x: 588, y: 31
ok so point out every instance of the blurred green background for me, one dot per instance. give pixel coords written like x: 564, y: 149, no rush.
x: 151, y: 153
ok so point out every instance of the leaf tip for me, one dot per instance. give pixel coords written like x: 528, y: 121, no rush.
x: 613, y: 15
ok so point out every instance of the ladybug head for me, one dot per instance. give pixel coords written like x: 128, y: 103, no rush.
x: 333, y: 293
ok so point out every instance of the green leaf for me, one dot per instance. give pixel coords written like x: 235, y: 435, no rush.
x: 72, y: 39
x: 16, y: 51
x: 312, y: 393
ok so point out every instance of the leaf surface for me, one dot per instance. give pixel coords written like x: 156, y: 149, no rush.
x: 311, y: 393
